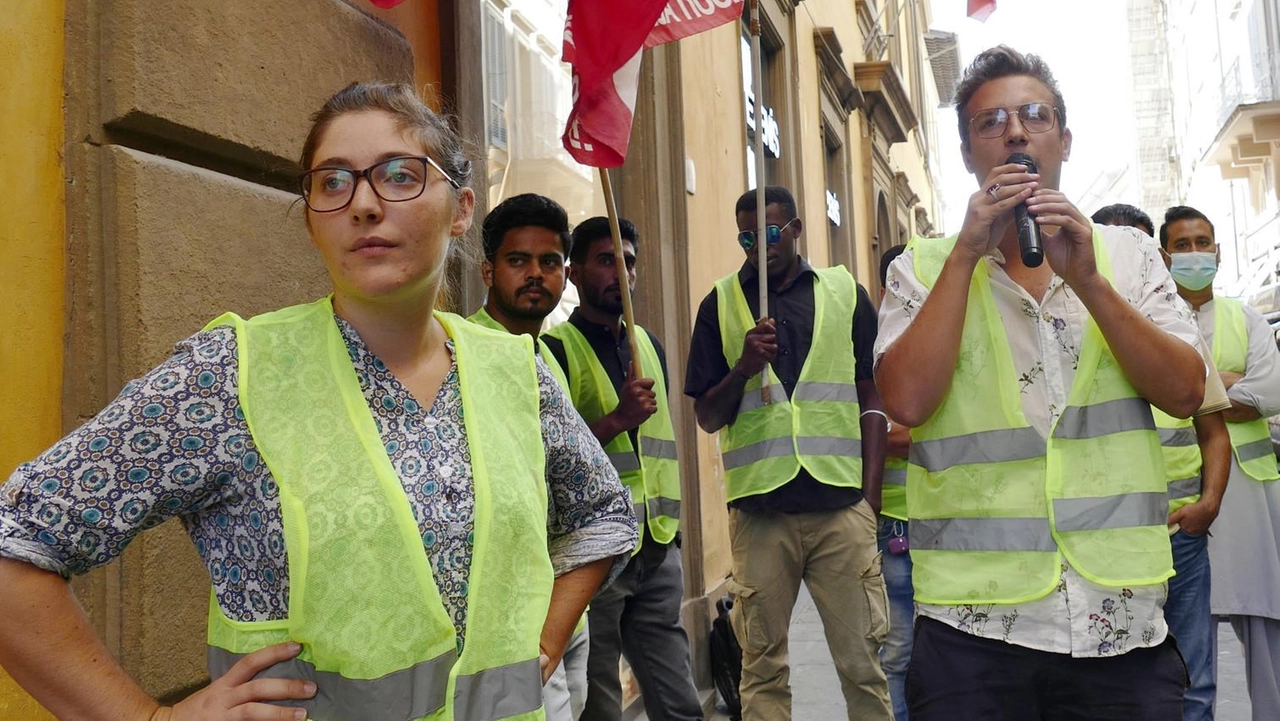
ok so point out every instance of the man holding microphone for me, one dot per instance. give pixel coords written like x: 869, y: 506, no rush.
x: 1037, y: 492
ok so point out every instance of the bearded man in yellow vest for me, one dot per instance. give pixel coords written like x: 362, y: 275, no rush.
x: 638, y: 616
x: 526, y: 245
x: 1197, y: 461
x: 1037, y: 491
x: 1244, y: 555
x: 802, y: 466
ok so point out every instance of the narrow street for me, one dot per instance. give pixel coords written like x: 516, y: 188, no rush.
x: 816, y: 690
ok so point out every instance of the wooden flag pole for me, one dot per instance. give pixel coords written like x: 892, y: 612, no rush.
x: 620, y: 262
x: 762, y: 256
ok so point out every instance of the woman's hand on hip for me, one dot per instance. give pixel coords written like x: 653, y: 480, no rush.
x: 238, y: 696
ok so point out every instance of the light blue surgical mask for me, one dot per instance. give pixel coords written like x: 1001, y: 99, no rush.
x: 1193, y: 271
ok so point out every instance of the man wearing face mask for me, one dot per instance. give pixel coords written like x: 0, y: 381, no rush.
x: 1244, y: 555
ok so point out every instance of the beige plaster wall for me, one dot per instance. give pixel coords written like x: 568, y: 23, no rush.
x: 812, y: 148
x: 909, y: 157
x: 841, y: 17
x: 714, y: 140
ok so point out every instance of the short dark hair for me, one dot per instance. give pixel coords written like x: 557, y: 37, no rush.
x: 772, y: 194
x: 1124, y: 214
x: 1181, y: 212
x: 519, y: 211
x: 1000, y: 62
x: 886, y: 259
x: 593, y: 229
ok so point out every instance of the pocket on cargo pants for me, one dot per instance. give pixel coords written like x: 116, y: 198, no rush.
x: 745, y: 618
x: 877, y: 599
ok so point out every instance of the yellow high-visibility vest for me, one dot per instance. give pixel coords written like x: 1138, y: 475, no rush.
x: 482, y: 318
x: 653, y: 476
x: 995, y: 506
x: 363, y: 603
x: 1251, y: 440
x: 893, y: 491
x: 818, y: 427
x: 1182, y: 462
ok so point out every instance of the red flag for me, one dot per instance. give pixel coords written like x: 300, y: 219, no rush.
x: 980, y: 10
x: 603, y: 41
x: 683, y: 18
x: 384, y: 4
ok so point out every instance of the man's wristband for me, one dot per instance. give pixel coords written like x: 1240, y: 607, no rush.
x: 888, y: 425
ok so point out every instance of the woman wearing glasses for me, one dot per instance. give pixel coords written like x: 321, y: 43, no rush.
x: 382, y: 493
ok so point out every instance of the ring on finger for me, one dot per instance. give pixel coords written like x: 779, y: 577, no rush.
x: 994, y: 191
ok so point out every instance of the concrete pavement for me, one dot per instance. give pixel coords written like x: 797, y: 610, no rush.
x: 816, y: 693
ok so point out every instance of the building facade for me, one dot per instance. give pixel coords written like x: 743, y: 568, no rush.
x: 1223, y: 143
x: 161, y: 140
x: 1153, y: 103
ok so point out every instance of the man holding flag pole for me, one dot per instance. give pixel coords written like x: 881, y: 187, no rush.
x: 788, y: 386
x: 640, y: 614
x: 600, y: 43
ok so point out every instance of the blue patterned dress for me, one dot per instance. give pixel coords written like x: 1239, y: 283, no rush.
x: 175, y: 443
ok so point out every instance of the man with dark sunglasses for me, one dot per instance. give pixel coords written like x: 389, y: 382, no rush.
x: 790, y: 390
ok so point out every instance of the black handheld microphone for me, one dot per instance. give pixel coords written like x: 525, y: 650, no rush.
x: 1028, y: 231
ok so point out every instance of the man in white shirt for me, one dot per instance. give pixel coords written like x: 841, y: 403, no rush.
x: 1244, y: 555
x: 1037, y: 492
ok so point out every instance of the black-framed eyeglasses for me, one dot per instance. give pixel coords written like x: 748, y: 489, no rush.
x: 772, y: 235
x: 994, y: 122
x: 329, y: 189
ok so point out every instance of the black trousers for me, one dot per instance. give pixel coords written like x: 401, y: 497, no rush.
x: 638, y: 616
x: 956, y: 676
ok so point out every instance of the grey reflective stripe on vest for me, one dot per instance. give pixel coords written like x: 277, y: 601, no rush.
x: 398, y: 696
x: 1257, y: 449
x: 658, y: 448
x: 980, y: 534
x: 1184, y: 487
x: 1005, y: 444
x: 829, y: 446
x: 894, y: 477
x: 753, y: 400
x: 1123, y: 511
x: 497, y: 693
x: 758, y: 451
x: 624, y: 461
x: 1103, y: 419
x: 1177, y: 437
x: 812, y: 391
x: 804, y: 445
x: 660, y: 506
x: 638, y: 510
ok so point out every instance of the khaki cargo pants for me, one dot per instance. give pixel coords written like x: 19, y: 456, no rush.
x: 834, y: 553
